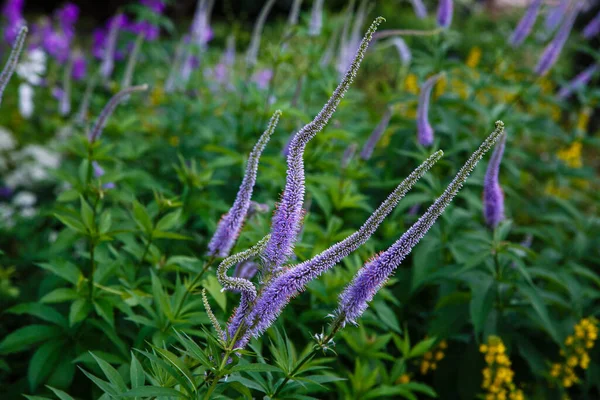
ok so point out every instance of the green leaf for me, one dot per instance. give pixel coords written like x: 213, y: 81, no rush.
x: 43, y: 362
x: 482, y: 300
x: 386, y: 314
x: 80, y: 309
x: 41, y: 311
x: 168, y: 221
x: 422, y: 347
x: 105, y: 310
x: 60, y: 394
x: 63, y: 269
x: 24, y: 338
x: 142, y: 218
x: 256, y: 368
x: 540, y: 308
x: 105, y: 222
x: 177, y: 363
x: 105, y: 386
x: 87, y: 215
x: 72, y: 223
x: 153, y: 391
x: 136, y: 372
x: 111, y: 374
x: 60, y: 295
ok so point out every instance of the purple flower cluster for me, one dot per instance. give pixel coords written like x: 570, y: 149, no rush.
x: 13, y: 12
x: 554, y: 48
x: 148, y: 29
x: 57, y: 37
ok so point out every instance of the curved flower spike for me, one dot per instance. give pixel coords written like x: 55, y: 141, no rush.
x: 554, y: 48
x: 445, y: 11
x: 493, y: 197
x: 287, y: 285
x: 211, y: 316
x: 108, y: 57
x: 419, y: 8
x: 244, y: 286
x: 13, y: 60
x: 424, y: 129
x: 524, y: 27
x: 592, y: 28
x: 288, y: 215
x: 230, y: 225
x: 110, y: 108
x: 369, y: 146
x: 580, y: 80
x: 316, y: 18
x: 370, y: 278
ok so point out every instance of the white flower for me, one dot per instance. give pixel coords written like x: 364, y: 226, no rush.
x: 41, y: 155
x: 7, y: 142
x: 25, y: 100
x: 28, y: 212
x: 6, y: 216
x: 33, y: 66
x: 24, y: 199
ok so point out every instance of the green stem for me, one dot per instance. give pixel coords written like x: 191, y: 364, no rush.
x: 193, y: 283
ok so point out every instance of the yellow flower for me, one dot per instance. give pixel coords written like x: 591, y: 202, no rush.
x: 483, y: 348
x: 583, y: 119
x: 404, y: 378
x: 439, y: 355
x: 571, y: 156
x: 174, y: 141
x: 474, y: 57
x: 411, y: 84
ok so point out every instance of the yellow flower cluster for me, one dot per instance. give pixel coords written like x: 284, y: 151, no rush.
x: 571, y: 155
x: 498, y: 375
x: 583, y: 119
x: 576, y: 353
x: 411, y: 84
x: 432, y: 357
x: 404, y: 378
x: 474, y: 57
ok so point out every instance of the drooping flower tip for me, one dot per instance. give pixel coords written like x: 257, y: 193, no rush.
x: 230, y: 225
x: 554, y: 48
x: 13, y: 60
x: 424, y: 128
x: 419, y: 8
x: 493, y: 196
x: 445, y: 11
x: 592, y: 29
x: 579, y: 81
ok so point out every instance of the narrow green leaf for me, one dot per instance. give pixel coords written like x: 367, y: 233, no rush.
x: 111, y: 374
x: 41, y: 311
x: 79, y: 310
x: 24, y: 338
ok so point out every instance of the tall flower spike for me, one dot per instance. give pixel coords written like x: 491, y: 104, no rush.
x: 370, y: 278
x: 277, y: 294
x: 65, y: 100
x: 555, y: 16
x: 252, y: 53
x: 424, y: 129
x: 444, y: 15
x: 369, y: 146
x: 110, y: 108
x: 211, y: 316
x: 419, y: 8
x: 178, y: 60
x: 403, y: 50
x: 238, y: 284
x: 110, y: 48
x: 287, y: 218
x: 230, y: 225
x: 554, y: 48
x: 592, y: 29
x: 493, y: 196
x: 579, y: 81
x: 87, y: 96
x: 526, y: 24
x: 132, y: 61
x: 316, y: 18
x: 13, y: 60
x: 294, y: 13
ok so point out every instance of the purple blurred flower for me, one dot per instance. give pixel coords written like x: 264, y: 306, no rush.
x: 555, y: 16
x: 57, y: 93
x: 592, y: 29
x: 13, y: 12
x: 98, y: 170
x: 444, y: 15
x: 403, y: 50
x: 419, y: 8
x: 369, y: 279
x: 158, y: 6
x: 246, y: 270
x: 493, y: 196
x: 262, y: 78
x: 57, y: 45
x: 79, y: 67
x: 526, y: 24
x: 348, y: 155
x: 67, y: 16
x: 146, y: 28
x: 230, y: 225
x: 109, y: 185
x: 105, y: 43
x: 5, y: 192
x: 254, y: 46
x: 554, y: 48
x: 424, y: 129
x: 369, y: 146
x: 316, y: 18
x: 579, y: 81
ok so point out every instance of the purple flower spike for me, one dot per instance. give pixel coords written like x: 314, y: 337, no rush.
x: 593, y: 28
x: 13, y: 12
x: 316, y: 18
x: 110, y: 44
x: 277, y: 294
x: 554, y: 48
x: 526, y: 24
x: 367, y: 150
x: 369, y: 279
x: 555, y: 16
x: 13, y: 60
x: 493, y: 196
x: 579, y: 81
x: 288, y: 216
x: 79, y: 68
x: 294, y: 13
x: 110, y: 108
x: 445, y: 10
x: 246, y: 270
x: 403, y: 50
x: 419, y: 8
x: 262, y: 78
x: 98, y: 170
x: 230, y: 225
x: 348, y: 155
x: 424, y: 129
x: 252, y: 52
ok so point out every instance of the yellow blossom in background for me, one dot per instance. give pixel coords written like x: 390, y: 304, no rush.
x: 474, y: 57
x: 404, y: 378
x: 174, y: 141
x: 575, y: 354
x: 440, y: 86
x: 583, y: 119
x: 432, y: 357
x: 498, y: 374
x: 411, y: 84
x: 157, y: 96
x: 552, y: 189
x: 547, y: 85
x: 571, y: 155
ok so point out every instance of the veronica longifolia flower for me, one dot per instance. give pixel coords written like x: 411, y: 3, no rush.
x: 288, y: 216
x: 13, y: 60
x: 493, y: 196
x: 277, y: 294
x: 316, y: 18
x: 109, y: 44
x: 579, y: 81
x: 419, y: 8
x: 554, y: 48
x: 403, y: 50
x: 592, y: 29
x: 526, y: 24
x: 110, y: 108
x: 555, y: 16
x: 369, y: 279
x: 230, y: 225
x: 13, y: 12
x: 367, y: 150
x: 444, y: 15
x: 294, y: 13
x: 424, y: 129
x: 252, y: 53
